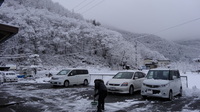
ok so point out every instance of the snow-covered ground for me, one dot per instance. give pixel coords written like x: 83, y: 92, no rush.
x: 84, y: 103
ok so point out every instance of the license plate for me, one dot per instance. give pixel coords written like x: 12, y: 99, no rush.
x: 149, y: 91
x: 112, y: 88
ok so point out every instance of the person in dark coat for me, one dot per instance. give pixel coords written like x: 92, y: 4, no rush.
x: 101, y: 90
x: 1, y: 2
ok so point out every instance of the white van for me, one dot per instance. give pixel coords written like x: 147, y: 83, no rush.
x: 162, y: 83
x: 68, y: 77
x: 9, y: 76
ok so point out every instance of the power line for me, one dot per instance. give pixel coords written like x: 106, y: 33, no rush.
x: 178, y: 25
x: 86, y: 5
x: 79, y: 4
x: 93, y: 6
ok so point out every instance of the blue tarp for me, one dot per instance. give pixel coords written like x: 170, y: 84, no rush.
x: 1, y: 1
x: 21, y: 76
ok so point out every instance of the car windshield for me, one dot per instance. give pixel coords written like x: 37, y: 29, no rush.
x: 63, y: 72
x: 158, y: 74
x: 123, y: 75
x: 10, y: 73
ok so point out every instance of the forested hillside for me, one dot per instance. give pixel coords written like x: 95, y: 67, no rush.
x: 175, y: 51
x: 61, y: 37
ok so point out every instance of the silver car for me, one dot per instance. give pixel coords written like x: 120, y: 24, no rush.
x: 126, y: 82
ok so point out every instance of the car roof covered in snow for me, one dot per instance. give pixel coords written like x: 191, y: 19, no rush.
x: 163, y: 69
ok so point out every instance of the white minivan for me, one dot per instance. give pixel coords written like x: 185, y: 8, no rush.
x: 73, y: 76
x: 164, y: 83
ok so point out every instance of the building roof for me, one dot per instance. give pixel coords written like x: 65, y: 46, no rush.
x: 7, y: 31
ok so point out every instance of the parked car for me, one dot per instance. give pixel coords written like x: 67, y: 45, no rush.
x: 1, y: 78
x: 162, y: 83
x: 126, y: 82
x: 68, y: 77
x: 9, y: 76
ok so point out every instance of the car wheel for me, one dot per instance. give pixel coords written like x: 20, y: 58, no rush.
x: 144, y: 97
x: 66, y: 84
x: 171, y: 97
x: 85, y: 82
x: 131, y: 90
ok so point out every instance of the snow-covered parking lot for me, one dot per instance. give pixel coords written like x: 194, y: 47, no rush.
x: 38, y: 95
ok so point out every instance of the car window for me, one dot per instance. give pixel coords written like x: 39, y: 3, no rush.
x: 63, y: 72
x: 11, y: 73
x: 158, y: 74
x: 74, y: 72
x: 141, y: 75
x: 80, y: 72
x: 178, y: 75
x: 174, y: 74
x: 136, y: 75
x: 123, y: 75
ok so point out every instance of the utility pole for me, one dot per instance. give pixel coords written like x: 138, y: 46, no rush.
x: 136, y: 53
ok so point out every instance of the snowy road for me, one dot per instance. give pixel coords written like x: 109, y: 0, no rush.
x: 31, y: 97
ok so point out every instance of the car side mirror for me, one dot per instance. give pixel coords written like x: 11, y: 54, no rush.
x: 71, y: 74
x: 136, y: 78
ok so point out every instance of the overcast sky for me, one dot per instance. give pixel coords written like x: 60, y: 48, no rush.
x: 143, y: 16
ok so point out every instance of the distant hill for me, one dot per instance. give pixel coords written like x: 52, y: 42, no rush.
x: 195, y: 43
x: 175, y: 51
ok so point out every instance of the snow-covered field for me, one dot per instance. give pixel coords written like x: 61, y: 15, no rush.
x: 84, y: 103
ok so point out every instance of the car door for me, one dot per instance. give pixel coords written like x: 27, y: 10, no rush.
x: 173, y: 80
x: 177, y: 81
x: 136, y: 81
x: 141, y: 79
x: 79, y: 76
x: 72, y: 77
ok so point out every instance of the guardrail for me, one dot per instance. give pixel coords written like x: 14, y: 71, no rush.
x: 184, y: 82
x: 103, y: 76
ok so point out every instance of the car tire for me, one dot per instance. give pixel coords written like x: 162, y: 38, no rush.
x: 131, y: 90
x: 66, y: 84
x: 144, y: 97
x: 171, y: 97
x: 85, y: 82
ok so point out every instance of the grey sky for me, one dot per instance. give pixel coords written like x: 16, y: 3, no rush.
x: 143, y: 16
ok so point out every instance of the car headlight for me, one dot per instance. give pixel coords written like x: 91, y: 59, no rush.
x: 164, y: 85
x: 125, y: 84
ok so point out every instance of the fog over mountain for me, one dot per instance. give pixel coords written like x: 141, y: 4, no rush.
x: 61, y: 37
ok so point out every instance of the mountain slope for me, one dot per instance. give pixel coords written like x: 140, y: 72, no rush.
x: 59, y: 38
x: 171, y: 50
x: 190, y: 43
